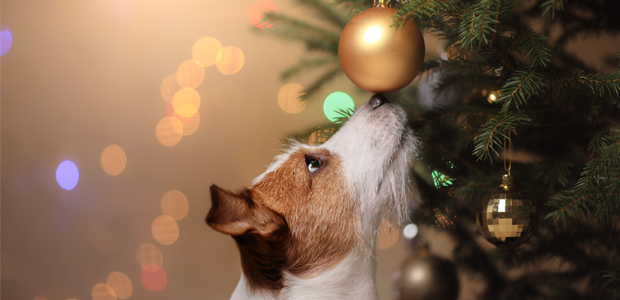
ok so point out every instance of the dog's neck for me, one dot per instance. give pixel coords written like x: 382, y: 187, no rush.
x: 352, y: 278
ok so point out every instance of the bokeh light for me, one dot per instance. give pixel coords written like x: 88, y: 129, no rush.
x: 67, y: 175
x: 165, y: 230
x: 387, y: 236
x: 169, y: 87
x: 121, y: 284
x: 190, y: 74
x: 410, y: 231
x: 103, y: 292
x: 334, y: 102
x: 288, y: 98
x: 153, y: 277
x: 169, y: 131
x: 113, y: 160
x: 190, y: 125
x: 186, y: 102
x: 39, y: 298
x: 231, y: 60
x: 6, y: 41
x: 175, y: 205
x: 149, y: 254
x: 257, y: 12
x: 206, y: 51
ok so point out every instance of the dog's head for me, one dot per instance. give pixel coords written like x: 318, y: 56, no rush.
x: 314, y: 204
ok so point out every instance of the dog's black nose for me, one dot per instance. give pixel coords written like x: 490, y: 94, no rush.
x: 377, y: 100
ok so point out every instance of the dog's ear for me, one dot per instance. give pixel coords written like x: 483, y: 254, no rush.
x: 237, y: 213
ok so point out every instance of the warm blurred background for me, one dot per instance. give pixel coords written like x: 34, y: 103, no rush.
x: 117, y: 116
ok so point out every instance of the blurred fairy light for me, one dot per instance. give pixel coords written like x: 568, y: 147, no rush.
x: 169, y: 131
x: 186, y: 102
x: 387, y: 235
x: 288, y: 98
x: 6, y: 41
x: 206, y: 51
x: 153, y: 277
x: 103, y: 292
x: 492, y: 97
x: 169, y: 87
x: 67, y: 175
x: 231, y: 60
x: 121, y: 284
x: 113, y: 160
x: 165, y: 230
x: 410, y: 231
x: 175, y: 205
x: 190, y: 125
x: 337, y: 101
x: 257, y: 12
x: 190, y: 74
x: 149, y: 254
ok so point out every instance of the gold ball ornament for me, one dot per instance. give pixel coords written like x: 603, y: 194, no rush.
x: 377, y: 57
x: 424, y: 276
x: 507, y: 218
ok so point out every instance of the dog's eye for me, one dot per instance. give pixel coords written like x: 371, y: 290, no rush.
x: 313, y: 164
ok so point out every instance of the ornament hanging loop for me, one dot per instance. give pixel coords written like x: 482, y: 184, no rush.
x: 382, y: 3
x: 507, y: 169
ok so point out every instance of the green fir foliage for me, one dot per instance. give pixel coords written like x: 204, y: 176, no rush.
x: 561, y: 113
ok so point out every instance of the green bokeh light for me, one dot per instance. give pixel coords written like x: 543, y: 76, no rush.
x: 336, y: 101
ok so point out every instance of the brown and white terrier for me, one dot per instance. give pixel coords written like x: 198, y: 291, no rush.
x: 306, y: 228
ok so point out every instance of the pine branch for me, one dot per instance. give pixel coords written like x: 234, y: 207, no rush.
x: 557, y: 172
x: 612, y: 277
x: 598, y: 169
x: 304, y: 65
x: 315, y: 38
x: 603, y: 84
x: 522, y: 85
x: 478, y: 23
x: 420, y: 10
x: 552, y: 6
x: 534, y: 46
x: 326, y: 12
x: 494, y: 131
x: 320, y: 82
x: 600, y: 138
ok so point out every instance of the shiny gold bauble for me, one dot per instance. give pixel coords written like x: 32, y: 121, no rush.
x: 377, y: 57
x: 507, y: 217
x: 426, y: 277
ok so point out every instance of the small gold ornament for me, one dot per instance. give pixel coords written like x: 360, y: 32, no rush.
x: 424, y: 276
x: 507, y: 218
x: 377, y: 57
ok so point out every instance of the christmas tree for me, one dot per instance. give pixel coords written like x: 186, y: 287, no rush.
x: 506, y: 87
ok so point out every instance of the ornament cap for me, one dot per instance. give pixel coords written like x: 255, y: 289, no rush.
x: 382, y: 3
x: 507, y: 182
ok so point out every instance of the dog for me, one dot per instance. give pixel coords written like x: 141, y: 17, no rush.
x: 306, y: 228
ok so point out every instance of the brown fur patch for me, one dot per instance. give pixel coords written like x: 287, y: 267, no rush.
x: 321, y: 216
x: 293, y: 219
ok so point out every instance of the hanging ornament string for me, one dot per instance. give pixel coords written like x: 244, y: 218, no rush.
x: 509, y: 153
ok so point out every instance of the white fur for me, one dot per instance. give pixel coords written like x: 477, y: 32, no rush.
x: 376, y: 150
